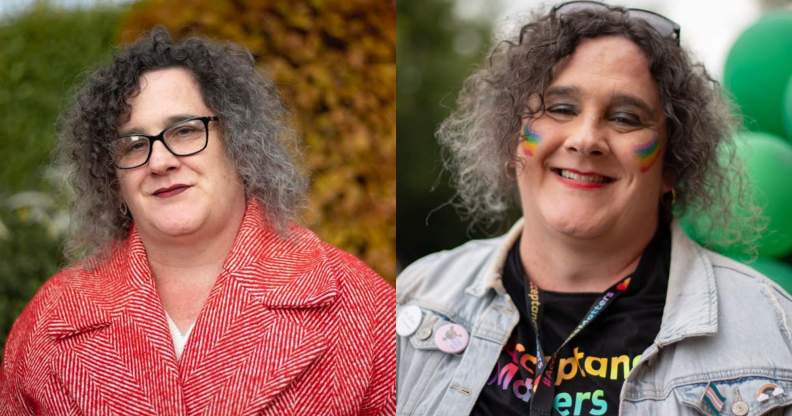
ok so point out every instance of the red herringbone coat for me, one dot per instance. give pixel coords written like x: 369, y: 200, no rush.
x: 291, y: 327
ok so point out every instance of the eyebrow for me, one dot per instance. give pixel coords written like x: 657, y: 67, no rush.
x: 562, y: 92
x: 616, y: 99
x: 170, y: 121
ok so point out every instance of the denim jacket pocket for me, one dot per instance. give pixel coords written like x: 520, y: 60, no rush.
x: 741, y: 396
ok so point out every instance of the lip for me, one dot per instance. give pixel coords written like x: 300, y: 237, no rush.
x: 578, y: 184
x: 170, y: 191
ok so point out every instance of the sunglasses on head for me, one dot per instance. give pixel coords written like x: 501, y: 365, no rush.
x: 663, y: 25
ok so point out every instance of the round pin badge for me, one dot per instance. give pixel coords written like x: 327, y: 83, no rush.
x: 740, y: 408
x: 424, y: 333
x: 451, y: 338
x: 408, y: 320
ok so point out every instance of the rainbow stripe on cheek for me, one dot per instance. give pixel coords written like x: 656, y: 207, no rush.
x: 648, y: 153
x: 530, y: 140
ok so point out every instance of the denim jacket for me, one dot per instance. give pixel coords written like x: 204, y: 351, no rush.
x: 725, y: 329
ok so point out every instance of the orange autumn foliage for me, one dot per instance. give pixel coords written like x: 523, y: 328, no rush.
x: 335, y: 65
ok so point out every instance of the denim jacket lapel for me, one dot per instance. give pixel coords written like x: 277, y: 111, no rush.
x: 691, y: 307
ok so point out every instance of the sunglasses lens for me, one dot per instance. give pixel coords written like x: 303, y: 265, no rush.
x: 662, y: 25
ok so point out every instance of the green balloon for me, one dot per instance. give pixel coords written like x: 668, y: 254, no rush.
x: 757, y: 70
x: 777, y: 271
x: 788, y: 110
x: 768, y: 165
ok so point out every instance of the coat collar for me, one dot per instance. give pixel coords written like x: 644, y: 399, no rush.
x: 691, y: 307
x: 282, y: 271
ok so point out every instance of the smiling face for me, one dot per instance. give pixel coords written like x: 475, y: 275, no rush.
x: 591, y: 163
x: 178, y: 197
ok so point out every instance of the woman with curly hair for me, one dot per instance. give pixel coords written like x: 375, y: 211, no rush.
x: 193, y: 292
x: 597, y: 125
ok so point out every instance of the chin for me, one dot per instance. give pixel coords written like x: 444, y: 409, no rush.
x: 180, y: 225
x: 577, y: 226
x: 176, y: 230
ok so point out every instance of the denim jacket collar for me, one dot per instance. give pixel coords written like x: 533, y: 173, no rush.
x: 491, y: 278
x: 692, y: 299
x: 691, y: 302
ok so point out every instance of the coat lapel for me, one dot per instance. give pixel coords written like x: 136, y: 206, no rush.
x: 115, y: 350
x: 264, y: 323
x: 259, y: 356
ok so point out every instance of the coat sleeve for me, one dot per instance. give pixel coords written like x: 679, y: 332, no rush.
x: 380, y: 396
x: 15, y: 361
x: 26, y: 387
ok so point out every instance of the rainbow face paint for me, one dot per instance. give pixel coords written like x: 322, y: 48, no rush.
x: 648, y: 153
x: 530, y: 140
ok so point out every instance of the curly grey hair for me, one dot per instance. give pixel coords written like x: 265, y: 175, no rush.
x: 479, y: 136
x: 253, y: 118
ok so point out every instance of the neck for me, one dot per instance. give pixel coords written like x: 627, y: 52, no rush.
x: 567, y: 264
x: 192, y: 257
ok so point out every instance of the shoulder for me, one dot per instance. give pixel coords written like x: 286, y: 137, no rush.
x: 725, y: 267
x: 362, y: 318
x: 441, y: 276
x: 739, y: 284
x: 66, y: 300
x: 743, y: 304
x: 741, y: 294
x: 339, y: 274
x: 40, y: 306
x: 355, y: 278
x: 29, y: 340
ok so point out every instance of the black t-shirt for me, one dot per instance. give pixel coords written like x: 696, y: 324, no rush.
x: 606, y: 349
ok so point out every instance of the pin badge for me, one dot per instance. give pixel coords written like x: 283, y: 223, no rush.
x: 451, y: 338
x: 767, y: 390
x: 425, y: 333
x: 408, y: 320
x: 713, y: 399
x: 739, y: 407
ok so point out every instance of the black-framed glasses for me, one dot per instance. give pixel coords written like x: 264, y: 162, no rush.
x: 184, y: 138
x: 663, y: 25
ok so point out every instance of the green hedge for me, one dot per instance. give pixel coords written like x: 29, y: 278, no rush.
x: 45, y: 53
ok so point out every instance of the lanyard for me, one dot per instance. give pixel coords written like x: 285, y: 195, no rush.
x: 543, y: 385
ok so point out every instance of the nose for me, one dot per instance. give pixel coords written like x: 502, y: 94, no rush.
x: 588, y: 138
x: 161, y: 159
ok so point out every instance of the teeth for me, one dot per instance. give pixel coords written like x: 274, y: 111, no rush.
x: 583, y: 178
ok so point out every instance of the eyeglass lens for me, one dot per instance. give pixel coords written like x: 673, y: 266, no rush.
x: 182, y: 139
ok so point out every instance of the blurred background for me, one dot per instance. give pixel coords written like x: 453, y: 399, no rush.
x: 334, y: 62
x: 745, y: 45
